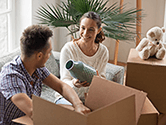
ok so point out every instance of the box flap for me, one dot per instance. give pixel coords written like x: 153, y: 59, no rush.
x: 48, y: 113
x: 119, y: 113
x: 148, y: 108
x: 149, y: 115
x: 103, y: 92
x: 134, y: 58
x: 26, y: 120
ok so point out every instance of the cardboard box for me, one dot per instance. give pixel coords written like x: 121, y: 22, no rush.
x: 111, y: 103
x: 148, y: 76
x: 149, y: 114
x: 146, y: 113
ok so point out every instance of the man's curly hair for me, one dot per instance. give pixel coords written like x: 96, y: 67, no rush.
x: 35, y: 38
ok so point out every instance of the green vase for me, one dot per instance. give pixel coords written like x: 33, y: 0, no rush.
x: 80, y: 70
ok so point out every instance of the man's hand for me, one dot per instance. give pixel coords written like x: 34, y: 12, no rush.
x: 67, y: 92
x: 80, y: 108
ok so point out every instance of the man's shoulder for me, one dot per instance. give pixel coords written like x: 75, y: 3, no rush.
x: 42, y: 72
x: 11, y: 67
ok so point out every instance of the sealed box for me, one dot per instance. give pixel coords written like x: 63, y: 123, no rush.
x: 110, y: 102
x: 148, y: 76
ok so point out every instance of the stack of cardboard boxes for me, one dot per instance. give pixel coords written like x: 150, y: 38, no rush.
x: 148, y: 76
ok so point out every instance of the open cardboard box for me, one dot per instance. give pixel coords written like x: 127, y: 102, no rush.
x: 146, y: 113
x: 111, y: 103
x: 148, y: 76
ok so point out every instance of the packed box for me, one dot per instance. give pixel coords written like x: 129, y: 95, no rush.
x: 148, y: 76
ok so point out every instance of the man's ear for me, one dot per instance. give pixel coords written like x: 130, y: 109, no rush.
x: 39, y: 55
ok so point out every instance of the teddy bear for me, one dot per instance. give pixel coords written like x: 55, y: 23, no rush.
x: 153, y: 44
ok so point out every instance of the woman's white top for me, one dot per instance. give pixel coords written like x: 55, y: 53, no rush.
x: 72, y: 51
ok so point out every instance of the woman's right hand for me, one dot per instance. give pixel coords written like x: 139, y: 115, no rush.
x: 79, y: 84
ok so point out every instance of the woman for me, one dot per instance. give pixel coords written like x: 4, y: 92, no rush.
x: 88, y: 49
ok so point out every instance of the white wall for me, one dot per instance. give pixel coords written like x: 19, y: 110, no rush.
x: 154, y: 16
x: 23, y: 17
x: 26, y: 15
x: 165, y: 24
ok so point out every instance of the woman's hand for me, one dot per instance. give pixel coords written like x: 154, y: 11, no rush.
x: 79, y: 84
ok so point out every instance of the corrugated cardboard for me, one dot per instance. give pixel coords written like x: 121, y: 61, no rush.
x: 26, y: 120
x: 149, y: 114
x: 162, y: 119
x: 47, y: 113
x: 103, y: 92
x: 119, y: 111
x: 148, y: 76
x: 111, y: 104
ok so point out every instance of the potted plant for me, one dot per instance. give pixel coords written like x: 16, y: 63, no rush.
x: 117, y: 24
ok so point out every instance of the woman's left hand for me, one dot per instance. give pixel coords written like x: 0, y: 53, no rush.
x: 79, y: 84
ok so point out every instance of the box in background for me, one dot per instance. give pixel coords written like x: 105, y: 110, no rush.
x: 148, y: 76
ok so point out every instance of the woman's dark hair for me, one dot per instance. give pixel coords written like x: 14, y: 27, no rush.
x: 94, y: 16
x: 35, y: 38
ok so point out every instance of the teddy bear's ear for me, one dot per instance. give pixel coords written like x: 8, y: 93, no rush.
x: 151, y: 34
x: 163, y: 29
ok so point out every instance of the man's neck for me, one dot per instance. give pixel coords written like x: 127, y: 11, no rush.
x: 29, y: 64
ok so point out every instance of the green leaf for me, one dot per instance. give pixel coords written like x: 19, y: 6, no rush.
x: 116, y: 25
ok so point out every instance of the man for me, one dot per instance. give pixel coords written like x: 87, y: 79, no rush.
x: 23, y: 77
